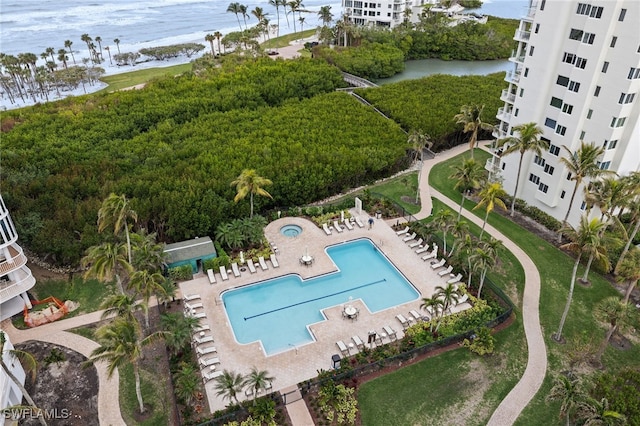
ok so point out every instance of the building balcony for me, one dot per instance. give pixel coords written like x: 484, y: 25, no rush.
x: 518, y: 59
x: 522, y: 35
x: 531, y: 12
x: 513, y: 77
x: 16, y: 260
x: 23, y: 281
x: 499, y: 133
x: 504, y: 114
x: 508, y: 97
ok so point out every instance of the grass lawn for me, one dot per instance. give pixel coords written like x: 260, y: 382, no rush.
x: 133, y: 78
x: 153, y: 394
x: 286, y: 39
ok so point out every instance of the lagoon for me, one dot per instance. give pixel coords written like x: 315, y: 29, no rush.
x: 425, y: 67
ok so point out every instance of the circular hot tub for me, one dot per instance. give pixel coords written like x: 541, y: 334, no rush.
x: 291, y: 231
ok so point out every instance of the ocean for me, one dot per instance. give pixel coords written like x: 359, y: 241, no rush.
x: 32, y: 26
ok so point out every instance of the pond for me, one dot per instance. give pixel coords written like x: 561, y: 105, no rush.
x: 425, y: 67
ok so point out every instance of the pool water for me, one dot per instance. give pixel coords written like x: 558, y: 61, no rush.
x: 277, y: 312
x: 291, y: 230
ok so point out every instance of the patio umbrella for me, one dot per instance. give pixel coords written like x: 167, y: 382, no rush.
x: 241, y: 257
x: 341, y: 215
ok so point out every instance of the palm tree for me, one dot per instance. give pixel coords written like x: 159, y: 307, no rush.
x: 67, y: 44
x: 528, y: 140
x: 466, y: 245
x: 179, y: 331
x: 470, y: 117
x: 210, y: 38
x: 489, y: 199
x: 117, y: 42
x: 257, y: 380
x: 98, y: 40
x: 62, y: 57
x: 443, y: 220
x: 632, y: 182
x: 120, y: 344
x: 242, y: 10
x: 85, y: 37
x: 277, y: 4
x: 594, y: 412
x: 301, y: 20
x: 106, y: 261
x: 434, y: 308
x: 187, y: 382
x: 228, y: 385
x: 108, y: 49
x: 249, y: 182
x: 586, y: 237
x: 235, y: 9
x: 615, y: 312
x: 147, y: 253
x: 569, y: 391
x: 218, y: 36
x: 581, y: 165
x: 629, y: 272
x: 122, y: 306
x: 28, y: 363
x: 448, y: 294
x: 325, y: 15
x: 419, y: 141
x: 146, y: 284
x: 115, y: 211
x: 459, y: 229
x: 166, y: 292
x: 484, y: 259
x: 468, y: 175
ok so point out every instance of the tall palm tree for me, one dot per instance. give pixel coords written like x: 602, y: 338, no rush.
x: 98, y: 40
x: 277, y: 4
x: 489, y: 199
x: 108, y: 49
x: 325, y: 15
x: 632, y: 182
x: 528, y: 139
x: 434, y: 307
x: 68, y: 44
x: 179, y: 331
x: 235, y: 9
x: 419, y: 141
x: 62, y: 57
x: 146, y: 284
x: 470, y: 118
x: 459, y: 229
x: 581, y: 165
x: 301, y: 20
x: 210, y: 37
x: 228, y: 385
x: 468, y: 175
x: 243, y: 11
x: 147, y: 253
x: 122, y: 306
x: 85, y: 37
x: 117, y: 42
x: 28, y: 363
x: 629, y: 272
x: 569, y: 391
x: 116, y: 211
x: 466, y: 245
x: 218, y: 36
x: 483, y: 260
x: 586, y: 237
x: 249, y: 182
x: 443, y: 220
x: 448, y: 294
x: 617, y: 314
x: 107, y: 261
x: 257, y: 380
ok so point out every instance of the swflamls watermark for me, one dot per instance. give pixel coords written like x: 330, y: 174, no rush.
x: 25, y: 413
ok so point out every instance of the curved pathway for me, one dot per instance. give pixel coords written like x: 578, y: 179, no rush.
x: 522, y: 393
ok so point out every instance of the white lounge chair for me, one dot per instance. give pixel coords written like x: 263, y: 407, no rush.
x: 359, y: 222
x: 416, y: 315
x: 263, y: 264
x: 343, y: 348
x: 200, y: 340
x: 439, y: 264
x: 409, y: 237
x: 235, y: 269
x: 358, y: 342
x: 204, y: 327
x: 204, y: 351
x: 195, y: 314
x: 455, y: 279
x: 223, y: 273
x: 209, y: 361
x: 430, y: 255
x: 390, y: 332
x: 210, y: 375
x: 463, y: 299
x: 326, y: 229
x: 337, y: 226
x: 422, y: 249
x: 192, y: 307
x: 446, y: 271
x: 348, y: 224
x: 189, y: 297
x: 252, y: 267
x: 274, y: 261
x: 405, y: 322
x: 404, y: 231
x: 416, y: 244
x: 212, y: 276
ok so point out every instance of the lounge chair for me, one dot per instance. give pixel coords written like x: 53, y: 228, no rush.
x: 359, y: 343
x: 235, y: 269
x: 455, y: 279
x: 200, y: 340
x: 404, y: 231
x: 416, y: 315
x: 263, y: 264
x: 252, y: 267
x: 359, y: 222
x: 439, y: 264
x: 348, y: 224
x: 202, y: 328
x: 416, y: 244
x: 343, y: 348
x: 210, y: 375
x: 422, y: 249
x: 189, y: 297
x: 463, y: 299
x: 446, y: 271
x: 223, y: 273
x: 337, y: 226
x: 204, y: 351
x: 274, y: 261
x: 209, y: 361
x: 430, y: 255
x: 326, y: 229
x: 212, y: 276
x: 195, y: 314
x: 409, y: 237
x: 390, y: 332
x: 405, y: 322
x: 193, y: 307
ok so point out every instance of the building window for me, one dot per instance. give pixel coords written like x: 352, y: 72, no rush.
x: 569, y: 176
x: 526, y: 72
x: 582, y: 135
x: 574, y: 86
x: 542, y: 187
x: 504, y: 165
x: 542, y: 3
x: 517, y: 111
x: 596, y: 92
x: 633, y: 73
x: 618, y: 121
x: 549, y: 169
x: 588, y: 38
x: 569, y: 58
x: 534, y: 179
x: 589, y: 114
x: 605, y: 66
x: 566, y: 108
x: 556, y: 102
x: 551, y: 123
x: 590, y: 11
x: 537, y: 28
x: 623, y: 12
x: 612, y: 144
x: 605, y: 165
x: 614, y: 39
x: 531, y: 50
x: 581, y: 63
x: 626, y: 98
x: 561, y: 130
x: 583, y: 206
x: 562, y: 194
x: 575, y: 34
x: 539, y: 161
x: 562, y: 81
x: 554, y: 150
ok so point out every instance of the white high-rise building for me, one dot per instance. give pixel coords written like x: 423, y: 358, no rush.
x: 577, y: 75
x: 10, y: 393
x: 383, y: 13
x: 15, y: 277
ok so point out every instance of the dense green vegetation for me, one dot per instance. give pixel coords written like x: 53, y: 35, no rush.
x: 429, y: 104
x: 370, y: 61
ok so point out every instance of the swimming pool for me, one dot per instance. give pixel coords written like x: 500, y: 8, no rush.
x: 277, y: 312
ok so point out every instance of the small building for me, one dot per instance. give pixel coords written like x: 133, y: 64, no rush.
x: 190, y: 252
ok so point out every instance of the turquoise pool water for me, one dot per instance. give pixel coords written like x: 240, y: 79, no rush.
x: 277, y: 312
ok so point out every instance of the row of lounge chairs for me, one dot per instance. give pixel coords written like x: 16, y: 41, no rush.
x: 347, y: 224
x: 202, y: 339
x: 373, y: 337
x: 413, y: 316
x: 235, y: 269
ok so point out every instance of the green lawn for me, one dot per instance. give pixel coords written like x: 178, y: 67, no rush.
x: 153, y: 394
x: 133, y: 78
x: 286, y: 39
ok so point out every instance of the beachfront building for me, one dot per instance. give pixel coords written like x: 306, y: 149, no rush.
x: 383, y: 13
x: 10, y: 393
x: 577, y: 75
x: 15, y: 278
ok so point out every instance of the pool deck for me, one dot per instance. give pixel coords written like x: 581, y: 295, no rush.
x: 303, y: 362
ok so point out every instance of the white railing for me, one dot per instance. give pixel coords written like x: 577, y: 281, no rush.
x: 12, y: 289
x: 508, y: 97
x: 512, y: 77
x: 522, y: 35
x: 503, y: 115
x: 17, y: 260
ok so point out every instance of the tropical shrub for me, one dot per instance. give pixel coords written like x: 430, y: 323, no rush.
x: 482, y: 343
x: 181, y: 273
x: 622, y: 390
x: 369, y: 60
